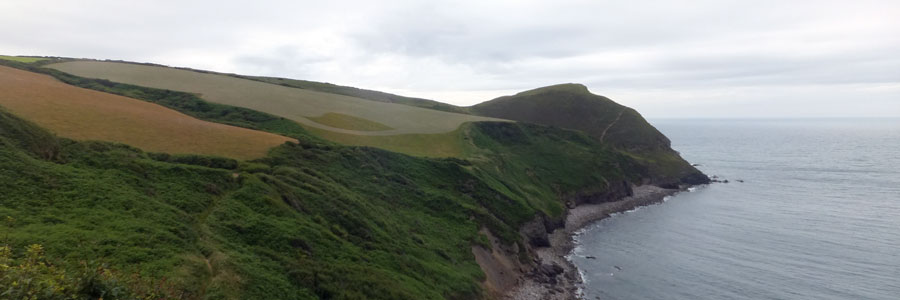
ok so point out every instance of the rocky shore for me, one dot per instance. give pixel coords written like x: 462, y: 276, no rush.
x: 555, y: 277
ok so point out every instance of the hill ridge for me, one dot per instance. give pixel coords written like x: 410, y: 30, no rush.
x: 576, y: 88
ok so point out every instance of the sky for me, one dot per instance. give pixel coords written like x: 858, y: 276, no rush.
x: 667, y: 59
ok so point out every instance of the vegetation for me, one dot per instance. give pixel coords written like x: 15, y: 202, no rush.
x: 358, y: 93
x: 22, y: 59
x: 32, y: 276
x: 437, y: 145
x: 572, y: 106
x: 348, y: 122
x: 310, y: 220
x: 90, y: 115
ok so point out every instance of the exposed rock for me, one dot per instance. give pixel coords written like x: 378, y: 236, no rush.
x: 615, y: 192
x: 535, y: 231
x: 551, y: 270
x: 695, y: 179
x: 543, y: 281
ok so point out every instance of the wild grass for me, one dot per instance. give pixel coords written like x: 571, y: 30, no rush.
x: 83, y: 114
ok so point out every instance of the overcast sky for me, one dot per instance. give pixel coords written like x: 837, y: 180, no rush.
x: 677, y: 59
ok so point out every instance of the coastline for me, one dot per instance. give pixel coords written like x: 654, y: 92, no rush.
x: 557, y: 278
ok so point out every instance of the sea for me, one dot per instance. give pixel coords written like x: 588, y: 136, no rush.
x: 817, y: 216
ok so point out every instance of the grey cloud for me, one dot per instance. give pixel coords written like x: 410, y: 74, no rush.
x: 636, y: 52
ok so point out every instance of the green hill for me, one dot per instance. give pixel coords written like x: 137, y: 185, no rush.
x: 572, y: 106
x: 310, y: 220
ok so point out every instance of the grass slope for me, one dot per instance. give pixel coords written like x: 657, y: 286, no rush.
x: 83, y: 114
x: 358, y: 93
x: 292, y: 103
x: 312, y: 220
x: 449, y: 144
x: 309, y: 221
x: 572, y: 106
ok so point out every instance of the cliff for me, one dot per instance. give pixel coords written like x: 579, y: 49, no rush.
x: 310, y: 220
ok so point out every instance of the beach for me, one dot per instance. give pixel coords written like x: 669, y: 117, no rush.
x: 561, y: 279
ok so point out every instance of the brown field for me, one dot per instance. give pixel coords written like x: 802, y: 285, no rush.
x: 83, y: 114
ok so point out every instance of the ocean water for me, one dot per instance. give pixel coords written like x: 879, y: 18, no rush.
x: 817, y: 217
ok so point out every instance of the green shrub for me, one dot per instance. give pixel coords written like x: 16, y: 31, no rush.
x: 33, y: 276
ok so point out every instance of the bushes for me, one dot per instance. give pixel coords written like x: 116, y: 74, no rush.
x: 310, y: 220
x: 197, y: 160
x: 34, y: 277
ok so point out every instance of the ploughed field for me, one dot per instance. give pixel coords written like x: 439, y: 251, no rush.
x: 340, y: 118
x: 83, y: 114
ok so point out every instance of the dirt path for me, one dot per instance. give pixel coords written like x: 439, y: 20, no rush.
x: 603, y: 135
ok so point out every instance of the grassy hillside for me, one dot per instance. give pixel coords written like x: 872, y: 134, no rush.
x: 83, y: 114
x: 295, y: 104
x: 358, y: 93
x: 449, y: 144
x: 311, y: 220
x: 572, y: 106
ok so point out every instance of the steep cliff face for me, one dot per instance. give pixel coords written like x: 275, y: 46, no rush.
x: 572, y: 106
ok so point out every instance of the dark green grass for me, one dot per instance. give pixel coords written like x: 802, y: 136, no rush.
x: 572, y: 106
x: 320, y: 222
x: 309, y: 221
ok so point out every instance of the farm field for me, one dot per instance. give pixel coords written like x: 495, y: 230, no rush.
x: 83, y: 114
x: 21, y: 58
x: 291, y: 103
x: 447, y: 144
x: 349, y: 122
